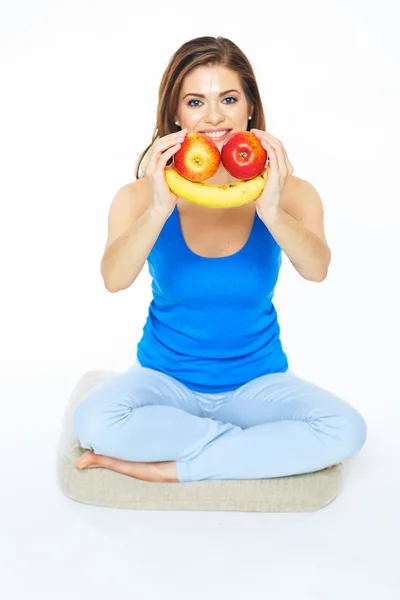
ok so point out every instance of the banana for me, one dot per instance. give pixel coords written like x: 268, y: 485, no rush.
x: 216, y: 196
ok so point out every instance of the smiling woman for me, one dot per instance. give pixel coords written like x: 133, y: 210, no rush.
x: 210, y: 394
x: 209, y: 85
x: 217, y: 114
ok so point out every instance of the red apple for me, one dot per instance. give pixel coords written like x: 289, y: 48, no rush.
x: 198, y: 158
x: 243, y: 155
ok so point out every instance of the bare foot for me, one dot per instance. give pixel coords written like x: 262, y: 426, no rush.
x: 88, y: 460
x: 156, y: 471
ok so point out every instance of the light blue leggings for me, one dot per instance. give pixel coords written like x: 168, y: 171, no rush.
x: 272, y: 426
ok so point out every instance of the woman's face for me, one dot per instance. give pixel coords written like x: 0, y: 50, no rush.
x: 212, y: 98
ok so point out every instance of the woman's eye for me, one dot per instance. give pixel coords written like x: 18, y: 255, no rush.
x: 228, y: 98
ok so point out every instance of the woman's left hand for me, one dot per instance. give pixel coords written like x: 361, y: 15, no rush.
x: 279, y: 171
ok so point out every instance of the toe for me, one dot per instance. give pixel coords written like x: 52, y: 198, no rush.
x: 85, y: 460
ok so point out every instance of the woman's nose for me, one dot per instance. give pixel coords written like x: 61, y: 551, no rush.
x: 214, y: 116
x: 214, y: 112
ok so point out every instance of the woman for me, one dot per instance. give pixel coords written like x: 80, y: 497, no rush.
x: 211, y: 395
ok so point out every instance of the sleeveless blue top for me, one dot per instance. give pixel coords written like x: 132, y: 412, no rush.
x: 212, y: 324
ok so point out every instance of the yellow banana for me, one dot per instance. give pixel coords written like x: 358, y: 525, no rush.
x: 216, y: 196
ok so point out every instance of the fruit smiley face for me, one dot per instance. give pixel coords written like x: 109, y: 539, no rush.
x: 198, y: 159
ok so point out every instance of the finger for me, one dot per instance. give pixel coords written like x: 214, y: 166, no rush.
x: 260, y: 131
x: 273, y: 150
x: 287, y: 161
x: 163, y: 158
x: 272, y: 156
x: 169, y: 138
x: 272, y: 142
x: 159, y: 146
x: 274, y: 139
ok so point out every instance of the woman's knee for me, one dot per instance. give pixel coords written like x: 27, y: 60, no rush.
x: 93, y: 416
x: 354, y: 432
x: 107, y: 403
x: 84, y: 420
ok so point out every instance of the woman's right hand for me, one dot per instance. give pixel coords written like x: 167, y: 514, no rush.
x: 155, y: 164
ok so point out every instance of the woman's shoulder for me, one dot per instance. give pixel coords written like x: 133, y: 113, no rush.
x: 293, y: 184
x: 140, y: 188
x: 291, y: 191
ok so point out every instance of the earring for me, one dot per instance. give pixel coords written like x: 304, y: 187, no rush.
x: 176, y: 123
x: 250, y: 117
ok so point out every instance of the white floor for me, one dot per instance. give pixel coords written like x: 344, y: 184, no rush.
x: 54, y: 548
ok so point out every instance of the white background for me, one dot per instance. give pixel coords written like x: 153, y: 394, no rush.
x: 78, y: 105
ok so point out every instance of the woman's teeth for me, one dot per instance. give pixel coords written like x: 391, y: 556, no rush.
x: 217, y: 134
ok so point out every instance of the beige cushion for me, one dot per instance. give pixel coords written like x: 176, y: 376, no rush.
x: 100, y: 486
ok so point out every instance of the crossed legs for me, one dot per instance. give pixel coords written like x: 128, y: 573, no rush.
x: 146, y: 424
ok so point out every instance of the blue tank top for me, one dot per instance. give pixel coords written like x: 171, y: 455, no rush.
x: 212, y: 324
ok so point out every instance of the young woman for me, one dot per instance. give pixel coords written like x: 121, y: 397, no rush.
x: 211, y: 394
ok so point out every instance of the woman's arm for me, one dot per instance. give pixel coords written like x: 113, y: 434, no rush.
x: 298, y: 229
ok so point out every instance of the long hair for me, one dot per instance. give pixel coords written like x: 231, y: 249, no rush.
x: 200, y: 51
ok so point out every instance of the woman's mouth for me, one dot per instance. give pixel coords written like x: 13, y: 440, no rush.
x: 219, y: 136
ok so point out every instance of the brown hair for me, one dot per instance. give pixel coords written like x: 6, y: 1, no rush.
x: 200, y: 51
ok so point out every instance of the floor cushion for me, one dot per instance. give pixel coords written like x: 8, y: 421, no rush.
x: 103, y: 487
